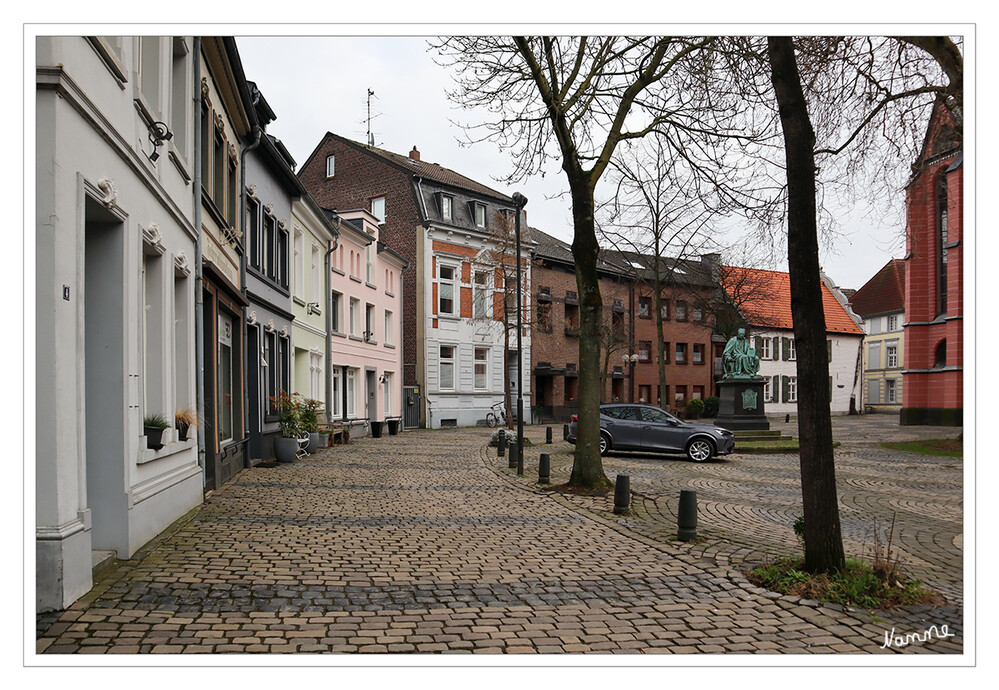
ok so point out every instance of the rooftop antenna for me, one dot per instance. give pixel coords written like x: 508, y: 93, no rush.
x: 371, y: 136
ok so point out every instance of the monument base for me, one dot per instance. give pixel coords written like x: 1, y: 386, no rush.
x: 741, y: 405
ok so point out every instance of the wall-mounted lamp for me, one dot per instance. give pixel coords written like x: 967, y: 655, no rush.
x: 158, y: 133
x: 381, y: 379
x: 313, y: 308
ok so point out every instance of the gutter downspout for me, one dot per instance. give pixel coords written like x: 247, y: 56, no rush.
x: 257, y: 133
x: 199, y: 296
x: 329, y: 320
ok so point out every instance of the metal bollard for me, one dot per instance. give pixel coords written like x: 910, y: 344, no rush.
x: 787, y: 418
x: 501, y: 443
x: 513, y: 456
x: 520, y: 462
x: 622, y: 494
x: 686, y: 516
x: 548, y: 436
x: 544, y: 469
x: 565, y: 432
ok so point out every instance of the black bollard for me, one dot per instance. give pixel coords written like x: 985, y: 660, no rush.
x: 686, y: 516
x: 520, y: 461
x: 565, y: 432
x: 513, y: 456
x: 622, y: 494
x: 544, y: 469
x: 548, y: 435
x: 501, y: 443
x: 787, y: 418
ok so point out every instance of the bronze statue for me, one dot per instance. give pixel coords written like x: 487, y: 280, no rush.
x: 739, y: 360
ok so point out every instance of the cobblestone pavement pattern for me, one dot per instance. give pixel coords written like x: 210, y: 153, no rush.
x: 418, y: 543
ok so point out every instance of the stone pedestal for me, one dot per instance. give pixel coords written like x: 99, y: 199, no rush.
x: 741, y: 405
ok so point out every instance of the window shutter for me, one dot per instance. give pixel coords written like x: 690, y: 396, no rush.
x: 756, y: 344
x: 830, y: 389
x: 829, y: 350
x: 775, y: 349
x: 775, y: 389
x: 785, y: 386
x: 785, y: 347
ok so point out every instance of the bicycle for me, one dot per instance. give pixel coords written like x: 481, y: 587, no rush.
x: 497, y: 416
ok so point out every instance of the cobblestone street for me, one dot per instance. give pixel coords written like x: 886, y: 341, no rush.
x: 424, y: 542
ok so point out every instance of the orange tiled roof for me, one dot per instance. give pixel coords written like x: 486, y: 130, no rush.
x: 764, y: 298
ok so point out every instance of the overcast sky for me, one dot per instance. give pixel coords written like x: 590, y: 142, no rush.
x: 320, y: 84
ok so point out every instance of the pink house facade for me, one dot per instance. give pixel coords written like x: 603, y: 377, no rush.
x: 366, y: 327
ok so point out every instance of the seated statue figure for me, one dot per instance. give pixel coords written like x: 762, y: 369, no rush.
x: 739, y: 360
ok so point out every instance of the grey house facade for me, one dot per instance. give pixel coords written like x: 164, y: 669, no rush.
x: 271, y: 187
x: 116, y: 240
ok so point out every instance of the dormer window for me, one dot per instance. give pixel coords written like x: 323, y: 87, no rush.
x: 480, y: 215
x: 446, y: 207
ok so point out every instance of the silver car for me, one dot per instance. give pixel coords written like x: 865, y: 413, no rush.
x: 650, y: 429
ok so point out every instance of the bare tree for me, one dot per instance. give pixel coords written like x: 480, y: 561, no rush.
x: 879, y: 83
x: 585, y: 96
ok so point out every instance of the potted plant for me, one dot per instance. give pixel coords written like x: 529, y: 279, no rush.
x: 290, y: 424
x: 694, y: 408
x: 309, y: 413
x: 393, y: 426
x: 153, y: 426
x: 185, y: 419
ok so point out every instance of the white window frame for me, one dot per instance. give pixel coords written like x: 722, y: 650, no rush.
x: 483, y: 364
x: 766, y: 348
x: 388, y: 393
x: 447, y: 208
x: 378, y: 206
x: 480, y: 210
x: 452, y: 283
x: 792, y: 389
x: 336, y: 302
x: 893, y: 322
x: 351, y: 392
x: 317, y: 274
x: 891, y: 391
x: 768, y: 395
x: 317, y: 387
x: 299, y: 251
x: 330, y: 166
x: 792, y: 351
x: 480, y: 295
x: 355, y: 305
x: 446, y: 363
x: 389, y: 327
x: 891, y: 356
x: 337, y: 396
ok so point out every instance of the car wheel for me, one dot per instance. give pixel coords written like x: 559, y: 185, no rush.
x: 700, y: 450
x: 605, y: 444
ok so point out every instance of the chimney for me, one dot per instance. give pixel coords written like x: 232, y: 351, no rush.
x: 414, y: 154
x: 713, y: 264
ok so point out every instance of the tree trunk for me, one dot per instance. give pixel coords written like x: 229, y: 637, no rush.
x: 822, y: 537
x: 587, y: 466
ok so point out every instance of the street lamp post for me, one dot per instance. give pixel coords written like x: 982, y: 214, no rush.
x: 630, y: 361
x: 520, y: 201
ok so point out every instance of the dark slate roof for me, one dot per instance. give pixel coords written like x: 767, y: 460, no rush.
x: 674, y: 271
x: 428, y: 170
x: 554, y: 249
x: 882, y: 294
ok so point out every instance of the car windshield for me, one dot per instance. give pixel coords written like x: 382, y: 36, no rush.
x: 654, y: 414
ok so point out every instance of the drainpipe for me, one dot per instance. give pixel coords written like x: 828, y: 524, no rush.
x: 257, y: 134
x: 199, y: 299
x: 329, y: 320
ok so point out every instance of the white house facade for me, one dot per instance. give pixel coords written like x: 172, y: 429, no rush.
x: 115, y: 287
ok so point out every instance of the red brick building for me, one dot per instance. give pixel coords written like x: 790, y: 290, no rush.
x: 555, y: 325
x: 688, y: 327
x: 933, y: 377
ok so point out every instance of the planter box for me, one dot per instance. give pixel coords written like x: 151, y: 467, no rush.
x: 285, y: 449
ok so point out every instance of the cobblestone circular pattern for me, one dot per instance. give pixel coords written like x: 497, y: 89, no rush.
x: 422, y: 543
